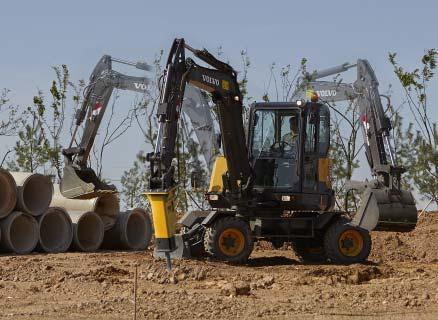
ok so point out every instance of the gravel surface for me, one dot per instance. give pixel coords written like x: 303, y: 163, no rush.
x: 400, y: 281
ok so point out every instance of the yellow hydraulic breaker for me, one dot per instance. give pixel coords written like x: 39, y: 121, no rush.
x: 164, y: 220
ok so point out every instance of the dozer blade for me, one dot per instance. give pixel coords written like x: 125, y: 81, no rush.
x: 83, y: 184
x: 384, y: 210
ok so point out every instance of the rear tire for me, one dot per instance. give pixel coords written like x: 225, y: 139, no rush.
x: 346, y: 244
x: 310, y: 250
x: 229, y: 239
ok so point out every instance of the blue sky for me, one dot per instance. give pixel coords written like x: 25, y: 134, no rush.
x: 39, y: 34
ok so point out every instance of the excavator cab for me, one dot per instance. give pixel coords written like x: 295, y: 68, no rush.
x: 288, y: 149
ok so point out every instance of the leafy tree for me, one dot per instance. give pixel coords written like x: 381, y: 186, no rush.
x: 32, y: 148
x: 11, y: 118
x: 419, y: 146
x: 52, y: 116
x: 10, y: 115
x: 134, y: 184
x: 344, y: 150
x: 39, y: 141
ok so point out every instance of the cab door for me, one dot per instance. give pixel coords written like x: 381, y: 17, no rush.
x: 310, y: 152
x: 275, y: 151
x: 316, y: 147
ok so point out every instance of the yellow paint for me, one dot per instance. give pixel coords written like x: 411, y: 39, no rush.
x: 219, y: 169
x: 225, y: 85
x: 350, y: 243
x: 202, y: 86
x: 310, y: 93
x: 231, y: 242
x: 324, y: 167
x: 163, y: 213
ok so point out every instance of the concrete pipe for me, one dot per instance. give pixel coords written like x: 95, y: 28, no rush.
x: 55, y: 231
x: 19, y: 233
x: 35, y: 192
x: 107, y: 206
x: 132, y: 231
x: 88, y: 231
x: 8, y: 193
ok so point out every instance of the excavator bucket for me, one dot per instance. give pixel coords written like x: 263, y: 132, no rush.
x: 382, y: 209
x: 83, y: 184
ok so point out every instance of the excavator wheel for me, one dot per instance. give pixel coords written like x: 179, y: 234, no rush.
x: 310, y: 250
x: 229, y: 239
x: 346, y: 244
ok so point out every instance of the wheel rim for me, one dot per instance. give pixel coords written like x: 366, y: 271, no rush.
x: 350, y: 243
x: 231, y: 242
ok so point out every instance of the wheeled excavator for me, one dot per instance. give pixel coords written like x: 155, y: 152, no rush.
x: 273, y: 182
x: 79, y: 181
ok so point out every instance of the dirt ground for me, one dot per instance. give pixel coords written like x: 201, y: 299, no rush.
x: 400, y: 281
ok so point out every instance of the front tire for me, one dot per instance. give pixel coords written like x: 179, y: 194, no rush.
x: 229, y: 239
x: 346, y: 244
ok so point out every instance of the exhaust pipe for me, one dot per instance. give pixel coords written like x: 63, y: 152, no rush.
x: 132, y: 231
x: 106, y: 206
x: 19, y: 233
x: 88, y: 231
x: 8, y: 193
x: 35, y: 192
x: 55, y: 231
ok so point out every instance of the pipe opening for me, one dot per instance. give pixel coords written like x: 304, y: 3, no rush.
x: 89, y: 232
x: 23, y: 232
x: 136, y: 230
x: 37, y: 194
x: 55, y: 231
x: 8, y: 193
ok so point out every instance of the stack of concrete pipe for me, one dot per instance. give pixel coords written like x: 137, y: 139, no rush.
x: 98, y: 223
x: 26, y: 221
x: 35, y: 216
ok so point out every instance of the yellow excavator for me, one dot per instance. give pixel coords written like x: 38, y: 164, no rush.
x: 273, y: 180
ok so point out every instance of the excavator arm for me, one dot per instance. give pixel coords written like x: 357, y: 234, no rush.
x: 384, y: 205
x: 219, y: 79
x: 79, y: 180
